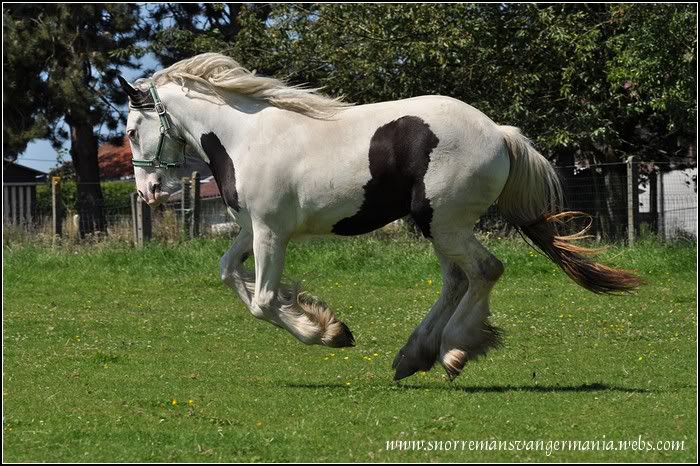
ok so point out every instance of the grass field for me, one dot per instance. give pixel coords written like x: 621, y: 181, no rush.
x: 117, y: 354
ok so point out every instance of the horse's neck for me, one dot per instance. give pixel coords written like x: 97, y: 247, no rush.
x: 230, y: 121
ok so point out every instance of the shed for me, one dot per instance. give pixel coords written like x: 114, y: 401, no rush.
x: 19, y: 192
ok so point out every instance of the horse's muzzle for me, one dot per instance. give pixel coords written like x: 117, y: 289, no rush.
x: 158, y: 198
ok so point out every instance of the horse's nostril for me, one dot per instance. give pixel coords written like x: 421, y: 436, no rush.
x: 154, y: 187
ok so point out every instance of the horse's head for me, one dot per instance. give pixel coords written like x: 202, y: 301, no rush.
x: 158, y: 146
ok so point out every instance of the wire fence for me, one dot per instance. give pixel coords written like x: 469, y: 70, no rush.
x: 664, y: 202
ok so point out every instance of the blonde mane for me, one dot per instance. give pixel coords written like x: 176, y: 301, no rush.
x: 218, y: 72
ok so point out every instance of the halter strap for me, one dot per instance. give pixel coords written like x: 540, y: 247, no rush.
x: 165, y: 128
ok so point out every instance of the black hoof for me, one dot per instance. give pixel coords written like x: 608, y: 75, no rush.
x: 413, y: 358
x: 397, y: 359
x: 404, y: 368
x: 343, y: 339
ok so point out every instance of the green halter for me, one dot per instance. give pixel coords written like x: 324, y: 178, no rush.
x: 177, y: 157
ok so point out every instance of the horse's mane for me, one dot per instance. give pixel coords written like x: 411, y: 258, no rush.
x: 218, y: 72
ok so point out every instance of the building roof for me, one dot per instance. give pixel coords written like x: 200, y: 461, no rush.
x: 115, y: 161
x: 207, y: 189
x: 13, y: 172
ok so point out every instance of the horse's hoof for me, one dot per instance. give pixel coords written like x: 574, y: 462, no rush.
x: 404, y: 367
x: 397, y: 359
x: 343, y: 337
x: 420, y: 355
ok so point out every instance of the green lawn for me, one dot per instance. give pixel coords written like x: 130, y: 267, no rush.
x: 116, y: 354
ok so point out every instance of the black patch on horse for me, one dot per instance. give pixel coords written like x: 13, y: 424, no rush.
x: 221, y: 167
x: 399, y: 154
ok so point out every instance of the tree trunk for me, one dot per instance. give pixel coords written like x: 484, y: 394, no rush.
x: 89, y: 202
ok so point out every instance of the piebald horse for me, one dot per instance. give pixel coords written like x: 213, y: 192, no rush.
x: 290, y: 162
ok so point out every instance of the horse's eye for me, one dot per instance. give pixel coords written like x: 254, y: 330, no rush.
x: 131, y: 134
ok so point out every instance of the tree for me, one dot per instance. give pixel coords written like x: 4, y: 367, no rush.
x: 590, y: 83
x: 60, y: 66
x: 181, y: 30
x: 521, y: 64
x: 654, y: 70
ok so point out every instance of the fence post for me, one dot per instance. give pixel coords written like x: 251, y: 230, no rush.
x: 653, y: 200
x: 133, y: 198
x: 32, y: 205
x: 56, y: 206
x: 195, y: 206
x: 143, y: 222
x: 660, y: 205
x: 632, y: 198
x: 19, y: 191
x: 185, y: 207
x: 147, y: 225
x: 7, y: 214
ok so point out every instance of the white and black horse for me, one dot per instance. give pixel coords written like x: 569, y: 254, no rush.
x: 290, y: 162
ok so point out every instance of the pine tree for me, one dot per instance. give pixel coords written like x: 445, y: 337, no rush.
x: 60, y: 67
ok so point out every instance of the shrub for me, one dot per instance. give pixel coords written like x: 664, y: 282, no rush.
x: 116, y: 195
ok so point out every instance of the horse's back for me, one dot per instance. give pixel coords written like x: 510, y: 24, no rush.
x: 379, y: 162
x: 442, y: 110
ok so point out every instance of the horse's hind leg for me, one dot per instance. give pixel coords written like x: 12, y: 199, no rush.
x: 423, y: 346
x: 468, y: 334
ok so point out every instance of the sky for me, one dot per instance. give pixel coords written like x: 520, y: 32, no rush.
x: 39, y: 153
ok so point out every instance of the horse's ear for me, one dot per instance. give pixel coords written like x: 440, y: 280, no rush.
x: 131, y: 91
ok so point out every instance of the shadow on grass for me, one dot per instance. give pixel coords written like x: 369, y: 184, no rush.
x: 582, y: 388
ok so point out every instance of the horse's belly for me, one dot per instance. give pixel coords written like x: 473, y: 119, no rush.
x: 370, y: 219
x: 349, y: 222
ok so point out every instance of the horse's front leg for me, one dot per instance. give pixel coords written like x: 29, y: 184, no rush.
x: 233, y: 272
x: 308, y: 319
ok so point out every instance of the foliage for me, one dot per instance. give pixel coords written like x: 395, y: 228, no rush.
x: 116, y: 195
x: 588, y: 82
x: 76, y: 54
x: 603, y: 81
x: 181, y: 30
x: 105, y: 347
x: 65, y: 170
x: 655, y: 70
x: 68, y: 77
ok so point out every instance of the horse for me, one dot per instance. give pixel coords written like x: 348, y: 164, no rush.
x: 291, y: 163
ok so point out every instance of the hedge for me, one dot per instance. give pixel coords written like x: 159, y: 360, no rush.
x: 116, y: 195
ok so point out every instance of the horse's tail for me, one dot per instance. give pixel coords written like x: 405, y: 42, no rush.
x: 531, y: 200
